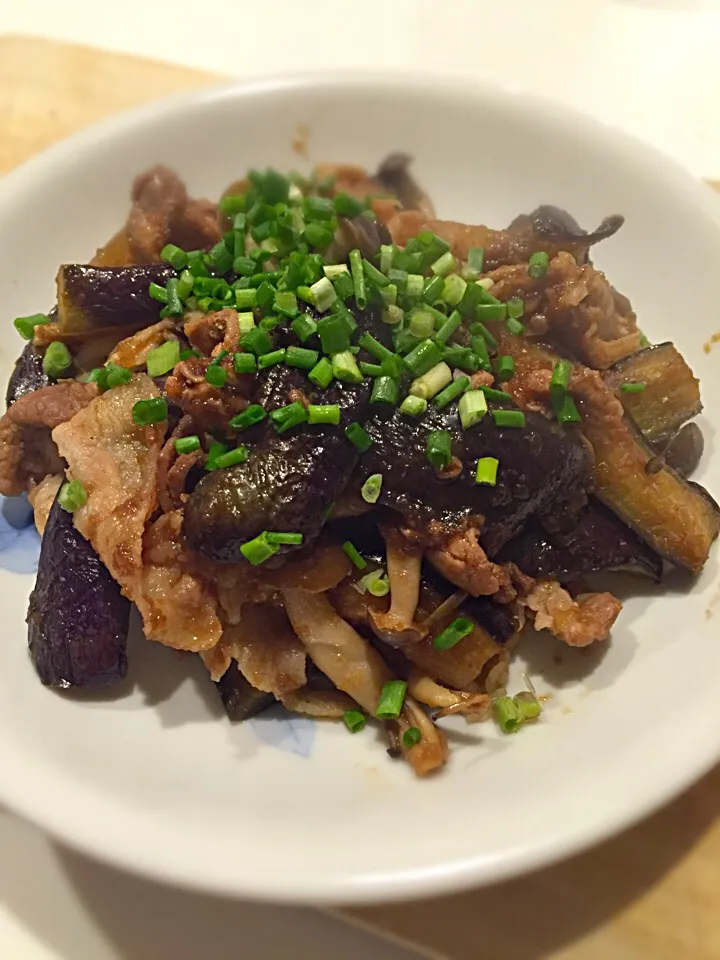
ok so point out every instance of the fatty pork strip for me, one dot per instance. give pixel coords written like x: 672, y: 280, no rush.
x: 116, y: 462
x: 357, y: 669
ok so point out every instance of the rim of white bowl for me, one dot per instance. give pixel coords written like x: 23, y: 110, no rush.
x: 87, y: 833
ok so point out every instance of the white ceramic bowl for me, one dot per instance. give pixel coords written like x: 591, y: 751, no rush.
x: 155, y: 779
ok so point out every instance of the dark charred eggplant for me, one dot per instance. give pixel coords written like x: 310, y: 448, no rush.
x: 541, y: 463
x: 597, y: 541
x: 77, y: 617
x: 28, y: 374
x: 671, y: 396
x: 240, y: 699
x: 91, y: 299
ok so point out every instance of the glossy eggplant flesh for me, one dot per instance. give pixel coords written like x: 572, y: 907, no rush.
x: 91, y: 299
x: 540, y: 463
x: 28, y: 374
x: 597, y: 540
x: 240, y: 699
x: 77, y: 617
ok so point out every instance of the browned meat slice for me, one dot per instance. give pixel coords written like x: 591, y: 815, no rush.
x: 462, y: 561
x: 576, y: 622
x: 42, y: 498
x: 27, y: 452
x: 268, y: 653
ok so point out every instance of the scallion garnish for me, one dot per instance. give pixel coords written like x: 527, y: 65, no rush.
x: 334, y: 334
x: 565, y: 409
x: 448, y: 327
x: 507, y: 714
x: 324, y: 413
x: 374, y: 347
x: 232, y: 457
x: 373, y: 274
x: 632, y: 387
x: 147, y: 412
x: 472, y: 408
x: 432, y: 382
x: 528, y: 706
x: 444, y: 264
x: 505, y: 367
x: 216, y: 375
x: 515, y: 308
x: 257, y: 551
x: 244, y: 363
x: 359, y: 437
x: 163, y: 358
x: 496, y: 396
x: 358, y: 278
x: 476, y: 258
x: 411, y: 737
x: 451, y: 392
x: 270, y: 359
x: 72, y: 496
x: 322, y: 373
x: 25, y: 326
x: 454, y: 289
x: 422, y: 358
x: 385, y: 390
x: 486, y: 472
x: 187, y: 444
x: 453, y: 634
x: 303, y: 327
x: 256, y: 341
x: 289, y: 416
x: 344, y: 367
x: 515, y: 327
x: 57, y: 359
x: 413, y: 406
x: 248, y: 418
x: 245, y: 298
x: 439, y: 448
x: 284, y: 539
x: 354, y: 554
x: 354, y: 720
x: 538, y: 264
x: 422, y: 323
x: 370, y: 490
x: 391, y: 699
x: 479, y: 329
x: 509, y: 418
x: 301, y: 358
x: 490, y: 311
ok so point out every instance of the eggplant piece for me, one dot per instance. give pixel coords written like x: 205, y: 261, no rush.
x: 289, y: 483
x: 91, y: 299
x: 27, y: 376
x: 541, y: 463
x: 671, y: 396
x: 77, y: 617
x: 597, y: 541
x: 677, y: 519
x: 240, y: 699
x: 394, y: 175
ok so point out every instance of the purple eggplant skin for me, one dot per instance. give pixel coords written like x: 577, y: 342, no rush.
x: 91, y: 299
x: 240, y: 699
x: 28, y: 374
x: 77, y: 617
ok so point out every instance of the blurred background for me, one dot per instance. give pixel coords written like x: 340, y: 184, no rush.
x: 650, y: 67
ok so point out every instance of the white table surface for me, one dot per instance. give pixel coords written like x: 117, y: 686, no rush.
x: 649, y: 66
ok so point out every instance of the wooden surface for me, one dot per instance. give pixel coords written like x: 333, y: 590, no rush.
x: 652, y: 893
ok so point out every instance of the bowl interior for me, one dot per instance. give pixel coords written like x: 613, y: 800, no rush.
x: 152, y: 777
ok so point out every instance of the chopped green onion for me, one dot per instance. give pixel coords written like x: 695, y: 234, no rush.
x: 432, y: 382
x: 490, y: 311
x: 244, y: 362
x: 303, y: 327
x: 257, y: 551
x: 358, y: 436
x: 317, y: 236
x: 632, y: 387
x: 116, y: 376
x: 319, y: 208
x: 25, y: 326
x: 72, y: 496
x: 334, y: 270
x: 187, y: 444
x: 343, y: 286
x: 422, y: 358
x: 454, y: 289
x: 358, y: 278
x: 246, y: 322
x: 486, y: 472
x: 385, y: 390
x: 496, y: 396
x: 393, y: 366
x: 324, y: 413
x: 439, y: 448
x: 354, y: 720
x: 398, y: 278
x: 538, y: 264
x: 57, y: 359
x: 146, y: 412
x: 515, y: 308
x: 377, y: 585
x: 476, y: 258
x: 284, y: 539
x: 515, y: 327
x: 232, y: 457
x: 256, y: 341
x: 411, y: 737
x: 472, y: 408
x: 481, y: 330
x: 163, y: 358
x: 451, y: 392
x: 374, y: 347
x: 324, y: 294
x: 509, y: 418
x: 414, y: 286
x: 244, y: 266
x: 285, y: 303
x: 480, y: 349
x: 371, y: 488
x: 387, y: 251
x: 374, y: 275
x: 220, y: 258
x: 448, y: 327
x: 462, y: 357
x: 565, y: 409
x: 422, y: 323
x: 173, y: 255
x: 322, y: 373
x: 453, y: 634
x: 528, y: 706
x: 270, y: 359
x: 432, y: 289
x: 185, y: 284
x: 389, y: 295
x: 289, y: 416
x: 347, y: 206
x: 413, y: 406
x: 216, y: 376
x: 216, y: 450
x: 370, y: 369
x: 155, y: 290
x: 505, y: 367
x: 560, y: 378
x: 344, y: 367
x: 444, y: 265
x: 390, y: 702
x: 334, y: 334
x: 354, y: 554
x: 507, y: 714
x: 248, y: 418
x: 301, y: 358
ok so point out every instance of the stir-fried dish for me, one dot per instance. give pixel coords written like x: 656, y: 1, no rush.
x: 344, y: 451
